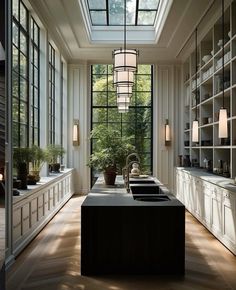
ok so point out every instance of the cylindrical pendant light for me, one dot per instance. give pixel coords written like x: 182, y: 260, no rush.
x: 223, y: 123
x: 125, y: 92
x: 195, y: 135
x: 123, y: 108
x: 123, y: 78
x: 125, y: 59
x: 123, y: 100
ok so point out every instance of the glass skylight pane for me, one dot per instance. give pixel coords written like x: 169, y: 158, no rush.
x: 116, y: 12
x: 131, y: 10
x: 146, y: 17
x: 148, y: 4
x: 97, y: 4
x: 98, y: 17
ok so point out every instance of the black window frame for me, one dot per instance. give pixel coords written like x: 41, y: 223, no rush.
x: 52, y: 94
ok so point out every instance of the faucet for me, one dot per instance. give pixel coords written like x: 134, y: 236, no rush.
x: 126, y: 169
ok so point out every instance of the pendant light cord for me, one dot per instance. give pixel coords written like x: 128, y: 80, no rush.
x: 124, y: 24
x: 196, y: 71
x: 223, y: 53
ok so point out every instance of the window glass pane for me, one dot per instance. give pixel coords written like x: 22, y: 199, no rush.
x: 15, y: 33
x: 143, y: 83
x: 148, y: 4
x: 36, y: 97
x: 23, y: 89
x: 99, y: 69
x: 131, y: 11
x: 15, y: 91
x: 114, y: 115
x: 15, y: 106
x: 100, y: 83
x: 36, y: 57
x: 116, y: 12
x: 23, y: 65
x: 36, y: 118
x: 35, y: 76
x: 143, y: 99
x: 23, y: 112
x: 36, y: 34
x: 15, y: 8
x: 99, y: 99
x: 15, y: 61
x: 99, y: 115
x: 98, y: 17
x: 15, y: 134
x: 97, y: 4
x: 36, y: 141
x: 112, y: 99
x: 146, y: 17
x: 23, y: 43
x: 116, y: 127
x: 144, y: 69
x: 23, y: 136
x: 23, y: 16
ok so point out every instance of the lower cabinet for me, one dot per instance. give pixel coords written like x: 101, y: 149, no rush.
x: 212, y: 205
x: 33, y: 210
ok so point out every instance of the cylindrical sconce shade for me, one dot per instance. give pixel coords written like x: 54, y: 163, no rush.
x: 195, y: 131
x: 223, y: 124
x: 123, y: 78
x: 167, y: 132
x: 125, y: 59
x: 75, y: 136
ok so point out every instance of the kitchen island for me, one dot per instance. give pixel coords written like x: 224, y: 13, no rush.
x: 122, y: 235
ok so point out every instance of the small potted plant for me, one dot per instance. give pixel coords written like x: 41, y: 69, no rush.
x: 37, y: 157
x: 110, y: 154
x: 53, y: 153
x: 21, y: 158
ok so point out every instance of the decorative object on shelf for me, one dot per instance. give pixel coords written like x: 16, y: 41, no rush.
x: 167, y: 133
x: 75, y: 137
x: 180, y: 160
x: 37, y: 157
x: 21, y: 158
x: 125, y: 65
x: 223, y: 123
x: 206, y: 58
x: 135, y: 171
x: 186, y: 161
x: 195, y: 137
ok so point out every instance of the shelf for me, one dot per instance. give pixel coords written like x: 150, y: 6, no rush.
x: 226, y: 47
x: 207, y: 65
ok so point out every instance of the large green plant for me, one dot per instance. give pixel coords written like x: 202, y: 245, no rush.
x: 37, y: 157
x: 21, y: 155
x: 111, y: 150
x: 53, y: 152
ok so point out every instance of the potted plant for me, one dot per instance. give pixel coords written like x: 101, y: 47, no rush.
x: 53, y: 152
x: 37, y: 157
x: 21, y: 157
x: 110, y: 153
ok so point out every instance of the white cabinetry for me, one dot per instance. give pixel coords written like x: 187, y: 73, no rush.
x: 34, y: 208
x: 213, y: 205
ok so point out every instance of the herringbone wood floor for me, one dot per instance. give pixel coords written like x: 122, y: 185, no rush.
x: 52, y: 261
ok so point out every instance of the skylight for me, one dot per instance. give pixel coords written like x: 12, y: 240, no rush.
x: 111, y: 12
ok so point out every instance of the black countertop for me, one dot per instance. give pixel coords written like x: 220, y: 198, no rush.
x: 104, y: 195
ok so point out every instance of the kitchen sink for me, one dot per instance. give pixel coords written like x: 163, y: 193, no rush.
x: 145, y: 189
x: 152, y: 198
x: 141, y: 181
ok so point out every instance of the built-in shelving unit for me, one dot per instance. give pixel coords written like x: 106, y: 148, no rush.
x: 206, y: 96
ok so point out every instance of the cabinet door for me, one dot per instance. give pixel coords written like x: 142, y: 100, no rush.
x: 229, y: 217
x: 179, y: 186
x: 40, y: 206
x: 16, y: 224
x: 216, y: 210
x: 186, y: 191
x: 34, y: 212
x: 198, y: 193
x: 46, y: 202
x: 51, y: 199
x: 25, y: 218
x: 206, y: 205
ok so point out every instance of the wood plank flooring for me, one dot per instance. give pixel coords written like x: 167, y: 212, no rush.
x: 52, y: 261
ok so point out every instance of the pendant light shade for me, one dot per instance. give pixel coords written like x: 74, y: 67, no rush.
x: 195, y: 137
x: 121, y: 100
x: 123, y: 78
x: 125, y: 60
x: 223, y: 124
x: 123, y: 108
x: 125, y: 92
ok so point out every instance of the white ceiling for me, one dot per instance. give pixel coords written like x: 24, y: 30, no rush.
x: 65, y: 21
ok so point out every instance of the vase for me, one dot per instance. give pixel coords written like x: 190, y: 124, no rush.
x: 110, y: 176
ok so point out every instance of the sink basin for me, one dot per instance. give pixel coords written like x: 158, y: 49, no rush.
x: 141, y: 181
x: 146, y: 189
x: 151, y: 198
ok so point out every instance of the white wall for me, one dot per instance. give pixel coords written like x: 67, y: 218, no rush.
x: 78, y: 108
x: 166, y: 97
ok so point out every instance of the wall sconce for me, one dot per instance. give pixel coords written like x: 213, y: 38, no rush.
x: 76, y: 133
x: 167, y: 133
